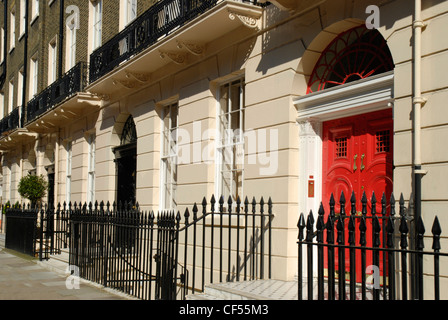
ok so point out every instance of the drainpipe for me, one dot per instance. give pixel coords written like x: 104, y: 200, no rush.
x: 418, y: 101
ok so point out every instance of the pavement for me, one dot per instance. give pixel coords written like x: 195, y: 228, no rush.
x: 23, y: 278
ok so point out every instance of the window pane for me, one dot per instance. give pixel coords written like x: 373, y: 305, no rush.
x: 231, y: 112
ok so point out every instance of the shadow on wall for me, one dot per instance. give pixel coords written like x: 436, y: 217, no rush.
x: 278, y: 50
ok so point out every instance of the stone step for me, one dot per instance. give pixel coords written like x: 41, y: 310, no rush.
x: 248, y: 290
x: 268, y: 290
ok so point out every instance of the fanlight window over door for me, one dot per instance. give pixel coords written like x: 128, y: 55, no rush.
x: 129, y: 134
x: 355, y: 54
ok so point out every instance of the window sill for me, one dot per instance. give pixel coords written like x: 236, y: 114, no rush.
x: 34, y: 19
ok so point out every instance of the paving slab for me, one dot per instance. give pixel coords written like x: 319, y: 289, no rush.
x: 21, y: 278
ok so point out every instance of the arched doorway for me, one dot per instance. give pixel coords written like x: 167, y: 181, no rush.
x: 126, y: 164
x: 357, y: 149
x: 346, y: 122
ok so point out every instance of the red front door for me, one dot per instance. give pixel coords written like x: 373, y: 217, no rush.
x: 357, y: 156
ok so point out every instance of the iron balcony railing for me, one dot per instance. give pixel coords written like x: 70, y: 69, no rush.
x: 69, y: 84
x: 10, y: 122
x: 157, y: 21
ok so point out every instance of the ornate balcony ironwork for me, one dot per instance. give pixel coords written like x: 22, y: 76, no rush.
x: 10, y: 122
x: 68, y: 85
x: 156, y: 22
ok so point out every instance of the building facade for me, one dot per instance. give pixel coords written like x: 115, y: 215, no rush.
x: 167, y: 102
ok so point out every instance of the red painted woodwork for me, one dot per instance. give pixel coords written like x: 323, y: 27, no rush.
x: 357, y: 156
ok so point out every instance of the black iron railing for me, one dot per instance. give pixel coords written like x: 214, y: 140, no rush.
x: 164, y: 256
x: 69, y: 84
x: 157, y: 21
x: 10, y: 122
x: 40, y: 231
x: 21, y: 230
x: 371, y: 255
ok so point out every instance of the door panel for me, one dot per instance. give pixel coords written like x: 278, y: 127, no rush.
x: 357, y: 157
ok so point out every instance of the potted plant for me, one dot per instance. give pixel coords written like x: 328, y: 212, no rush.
x: 33, y: 188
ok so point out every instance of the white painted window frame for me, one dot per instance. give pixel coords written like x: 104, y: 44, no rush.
x: 52, y: 61
x: 171, y: 156
x: 34, y: 76
x: 12, y: 30
x: 97, y: 23
x: 10, y: 96
x: 221, y: 147
x: 70, y: 47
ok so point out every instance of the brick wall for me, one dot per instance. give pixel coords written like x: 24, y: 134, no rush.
x: 45, y: 28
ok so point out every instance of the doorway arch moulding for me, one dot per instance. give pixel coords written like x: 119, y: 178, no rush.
x: 355, y: 96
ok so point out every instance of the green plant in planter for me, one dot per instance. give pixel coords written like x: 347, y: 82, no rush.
x: 33, y: 188
x: 6, y: 206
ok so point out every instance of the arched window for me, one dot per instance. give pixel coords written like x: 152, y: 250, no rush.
x: 129, y: 134
x: 355, y: 54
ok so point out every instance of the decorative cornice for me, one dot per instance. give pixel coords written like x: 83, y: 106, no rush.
x: 249, y: 21
x: 175, y: 56
x: 128, y: 84
x: 194, y: 48
x: 140, y: 77
x: 308, y: 128
x: 91, y: 98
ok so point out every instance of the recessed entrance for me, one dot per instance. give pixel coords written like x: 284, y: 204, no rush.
x: 346, y: 125
x: 126, y: 164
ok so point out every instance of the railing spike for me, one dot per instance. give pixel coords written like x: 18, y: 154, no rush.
x: 342, y: 204
x: 401, y: 203
x: 353, y: 204
x: 436, y: 232
x: 392, y: 204
x: 332, y: 202
x: 195, y: 212
x: 420, y: 228
x: 301, y: 225
x: 390, y: 232
x: 362, y: 229
x: 309, y: 226
x: 321, y: 210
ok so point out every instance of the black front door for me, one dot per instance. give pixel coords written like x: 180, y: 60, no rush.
x: 126, y: 162
x: 51, y: 190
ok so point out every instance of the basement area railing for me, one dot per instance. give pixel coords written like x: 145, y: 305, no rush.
x: 368, y: 256
x: 151, y: 256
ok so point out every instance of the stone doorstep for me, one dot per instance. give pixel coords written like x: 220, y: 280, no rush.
x: 249, y: 290
x: 264, y: 290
